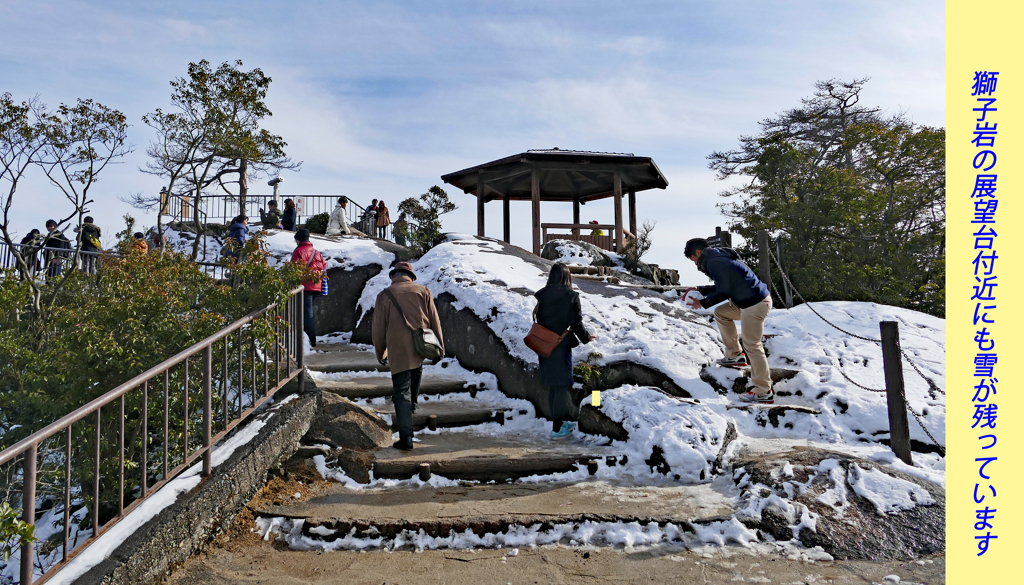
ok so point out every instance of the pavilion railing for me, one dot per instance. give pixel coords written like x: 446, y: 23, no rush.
x: 100, y: 462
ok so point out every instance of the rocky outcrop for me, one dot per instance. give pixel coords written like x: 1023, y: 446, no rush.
x: 851, y: 507
x: 573, y: 251
x: 345, y: 424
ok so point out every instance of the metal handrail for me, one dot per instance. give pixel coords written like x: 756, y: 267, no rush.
x: 288, y: 337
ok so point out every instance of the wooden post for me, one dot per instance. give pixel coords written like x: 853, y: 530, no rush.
x: 617, y: 196
x: 505, y: 219
x: 632, y: 211
x: 892, y: 363
x: 535, y: 191
x: 782, y: 269
x: 576, y: 216
x: 480, y: 205
x: 764, y: 267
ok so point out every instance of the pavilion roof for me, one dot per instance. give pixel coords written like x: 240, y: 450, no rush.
x: 565, y: 175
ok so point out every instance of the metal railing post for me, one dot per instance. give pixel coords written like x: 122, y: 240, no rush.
x: 207, y: 408
x: 300, y: 358
x: 28, y: 511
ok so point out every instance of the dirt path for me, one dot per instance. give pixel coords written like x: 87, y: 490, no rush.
x: 263, y: 562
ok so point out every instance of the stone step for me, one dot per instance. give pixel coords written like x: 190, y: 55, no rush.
x: 470, y: 455
x: 492, y: 508
x: 447, y: 414
x: 380, y: 386
x: 342, y: 357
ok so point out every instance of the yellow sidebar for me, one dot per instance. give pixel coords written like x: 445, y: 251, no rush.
x: 985, y: 292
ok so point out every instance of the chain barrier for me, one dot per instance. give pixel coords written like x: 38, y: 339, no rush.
x: 931, y: 383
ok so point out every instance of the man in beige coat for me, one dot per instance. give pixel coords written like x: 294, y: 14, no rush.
x: 393, y: 342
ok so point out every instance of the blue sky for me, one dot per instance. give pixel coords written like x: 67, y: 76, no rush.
x: 380, y: 99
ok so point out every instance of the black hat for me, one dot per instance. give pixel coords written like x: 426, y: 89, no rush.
x: 302, y: 235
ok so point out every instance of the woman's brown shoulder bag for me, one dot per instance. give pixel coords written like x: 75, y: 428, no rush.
x: 541, y: 339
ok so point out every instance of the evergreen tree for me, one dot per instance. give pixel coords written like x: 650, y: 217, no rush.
x: 858, y: 197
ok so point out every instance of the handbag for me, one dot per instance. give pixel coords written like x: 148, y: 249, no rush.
x: 541, y: 339
x: 323, y: 281
x: 426, y: 343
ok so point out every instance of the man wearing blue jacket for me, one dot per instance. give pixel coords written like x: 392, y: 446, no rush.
x: 747, y: 299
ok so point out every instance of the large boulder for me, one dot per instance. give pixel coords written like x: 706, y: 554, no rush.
x: 342, y: 423
x: 573, y: 252
x: 851, y: 507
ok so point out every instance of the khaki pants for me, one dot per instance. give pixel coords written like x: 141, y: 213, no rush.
x: 752, y: 321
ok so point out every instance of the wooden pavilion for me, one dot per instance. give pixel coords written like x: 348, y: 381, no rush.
x: 560, y: 175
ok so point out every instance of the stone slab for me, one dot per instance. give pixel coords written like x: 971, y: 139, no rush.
x: 502, y: 500
x: 472, y: 455
x: 380, y: 386
x: 449, y: 413
x: 342, y: 358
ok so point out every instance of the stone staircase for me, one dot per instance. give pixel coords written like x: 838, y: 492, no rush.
x: 445, y: 403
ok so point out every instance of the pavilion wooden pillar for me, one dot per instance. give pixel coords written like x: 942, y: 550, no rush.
x: 617, y: 196
x: 535, y: 192
x: 576, y: 215
x: 632, y: 211
x: 505, y: 220
x: 480, y: 205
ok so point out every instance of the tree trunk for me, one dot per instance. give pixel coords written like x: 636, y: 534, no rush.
x: 243, y: 185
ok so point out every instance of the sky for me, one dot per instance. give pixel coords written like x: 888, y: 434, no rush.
x: 378, y: 100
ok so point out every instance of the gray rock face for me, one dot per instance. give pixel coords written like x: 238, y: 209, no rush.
x: 848, y: 525
x: 348, y: 425
x: 556, y: 249
x: 595, y: 422
x: 337, y: 311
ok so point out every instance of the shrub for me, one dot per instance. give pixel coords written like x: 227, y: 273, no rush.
x: 318, y: 223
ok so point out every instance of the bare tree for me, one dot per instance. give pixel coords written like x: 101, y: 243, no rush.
x: 72, y: 145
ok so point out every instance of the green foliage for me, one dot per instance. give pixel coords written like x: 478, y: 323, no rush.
x: 637, y: 247
x: 102, y: 332
x: 426, y: 215
x: 588, y: 371
x: 13, y: 531
x: 858, y: 198
x: 318, y: 223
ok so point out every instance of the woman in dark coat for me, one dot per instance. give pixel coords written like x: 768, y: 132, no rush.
x: 558, y: 309
x: 288, y: 221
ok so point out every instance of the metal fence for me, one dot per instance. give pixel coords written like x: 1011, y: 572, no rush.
x: 47, y: 262
x: 224, y: 208
x: 97, y: 464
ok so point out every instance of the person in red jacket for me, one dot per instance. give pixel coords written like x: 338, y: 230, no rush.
x: 306, y: 254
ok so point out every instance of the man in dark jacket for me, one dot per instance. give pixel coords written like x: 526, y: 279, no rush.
x: 54, y: 242
x: 747, y: 299
x: 393, y: 341
x: 89, y: 242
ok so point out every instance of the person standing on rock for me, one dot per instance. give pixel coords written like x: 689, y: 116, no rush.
x: 383, y: 220
x: 289, y: 217
x: 393, y: 329
x: 306, y: 254
x: 747, y: 299
x: 558, y: 310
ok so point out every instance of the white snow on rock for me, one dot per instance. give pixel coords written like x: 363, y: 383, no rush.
x: 345, y: 252
x: 627, y: 535
x: 690, y: 435
x: 498, y: 288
